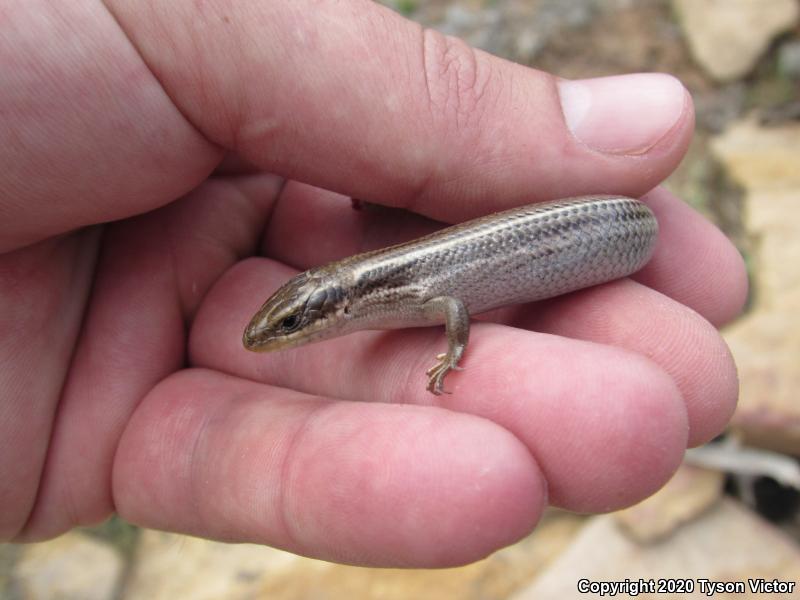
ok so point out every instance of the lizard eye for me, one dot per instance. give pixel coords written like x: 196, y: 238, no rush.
x: 290, y: 323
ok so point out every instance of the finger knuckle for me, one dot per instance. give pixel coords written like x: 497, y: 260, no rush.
x: 458, y: 82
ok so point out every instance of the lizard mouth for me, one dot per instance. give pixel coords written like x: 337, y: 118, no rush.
x: 257, y: 338
x: 252, y: 340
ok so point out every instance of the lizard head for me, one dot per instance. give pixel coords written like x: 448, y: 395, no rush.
x: 308, y: 308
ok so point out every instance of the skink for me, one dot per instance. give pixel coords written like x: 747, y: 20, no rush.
x: 519, y: 255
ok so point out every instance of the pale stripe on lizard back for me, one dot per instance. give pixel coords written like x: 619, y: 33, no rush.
x: 519, y: 255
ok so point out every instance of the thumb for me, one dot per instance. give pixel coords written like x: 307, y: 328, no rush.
x: 352, y: 97
x: 344, y: 95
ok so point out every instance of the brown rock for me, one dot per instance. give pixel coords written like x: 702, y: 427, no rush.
x: 689, y: 493
x: 760, y: 158
x: 71, y: 566
x: 170, y: 566
x: 728, y: 543
x: 766, y: 342
x: 727, y: 37
x: 495, y: 577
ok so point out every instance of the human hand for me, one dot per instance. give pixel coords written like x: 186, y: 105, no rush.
x: 125, y: 384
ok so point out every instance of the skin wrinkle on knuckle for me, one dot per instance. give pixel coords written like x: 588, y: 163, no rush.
x: 457, y: 81
x: 459, y: 90
x: 197, y: 462
x: 289, y: 526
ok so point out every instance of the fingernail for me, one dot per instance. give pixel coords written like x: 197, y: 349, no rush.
x: 624, y: 114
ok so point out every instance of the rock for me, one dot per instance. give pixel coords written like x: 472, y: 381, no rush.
x: 493, y: 578
x: 689, y: 493
x: 741, y: 462
x: 766, y: 342
x: 71, y: 566
x: 766, y: 348
x: 760, y: 158
x: 727, y: 37
x: 728, y: 543
x: 170, y: 566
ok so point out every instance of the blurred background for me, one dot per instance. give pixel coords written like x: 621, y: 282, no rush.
x: 733, y: 511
